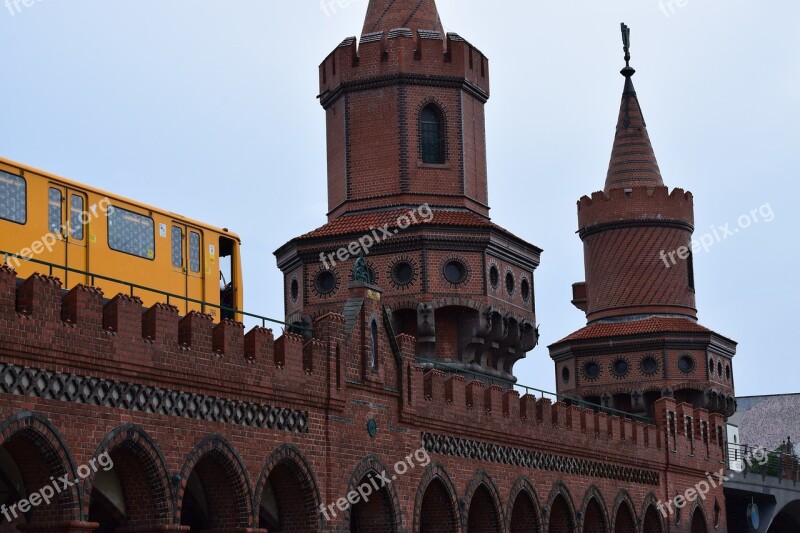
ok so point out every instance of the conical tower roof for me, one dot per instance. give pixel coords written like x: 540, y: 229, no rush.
x: 385, y: 15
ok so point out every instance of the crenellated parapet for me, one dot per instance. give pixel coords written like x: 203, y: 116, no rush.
x: 424, y: 57
x: 635, y: 205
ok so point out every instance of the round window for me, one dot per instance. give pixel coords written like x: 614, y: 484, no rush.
x: 295, y: 289
x: 326, y: 282
x: 525, y: 288
x: 649, y: 365
x: 591, y: 370
x: 565, y: 374
x: 686, y: 364
x: 403, y: 273
x: 494, y: 276
x: 455, y: 272
x: 510, y: 283
x: 620, y: 367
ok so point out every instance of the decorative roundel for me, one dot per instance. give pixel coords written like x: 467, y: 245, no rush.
x: 455, y: 271
x: 620, y: 368
x: 326, y: 282
x: 565, y: 374
x: 294, y: 289
x: 649, y: 365
x: 494, y: 276
x: 403, y: 273
x: 510, y: 283
x: 591, y: 370
x: 686, y: 363
x: 525, y: 289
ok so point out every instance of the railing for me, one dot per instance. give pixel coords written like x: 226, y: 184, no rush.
x: 533, y: 391
x: 170, y: 298
x: 748, y: 459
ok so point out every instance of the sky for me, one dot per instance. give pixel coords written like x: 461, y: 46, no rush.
x: 208, y: 108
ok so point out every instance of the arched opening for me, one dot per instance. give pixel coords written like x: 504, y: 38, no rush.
x: 524, y: 518
x: 561, y: 519
x: 484, y: 516
x: 373, y: 513
x: 130, y: 487
x: 437, y: 513
x: 215, y: 495
x: 624, y: 521
x: 30, y: 462
x: 405, y: 321
x: 698, y: 522
x: 594, y: 519
x: 431, y: 133
x: 288, y: 500
x: 652, y: 521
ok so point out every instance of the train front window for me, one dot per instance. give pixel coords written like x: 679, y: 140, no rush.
x: 131, y: 233
x: 194, y: 251
x: 13, y: 198
x: 177, y: 247
x: 54, y: 211
x: 76, y: 217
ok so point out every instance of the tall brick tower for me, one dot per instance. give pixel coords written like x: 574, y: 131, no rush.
x: 642, y: 340
x: 407, y: 189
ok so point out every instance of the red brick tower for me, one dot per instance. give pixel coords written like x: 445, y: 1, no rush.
x: 407, y: 189
x: 642, y: 340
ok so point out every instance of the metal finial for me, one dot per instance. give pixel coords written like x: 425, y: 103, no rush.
x: 626, y: 42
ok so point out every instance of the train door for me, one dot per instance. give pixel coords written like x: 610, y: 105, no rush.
x: 179, y: 268
x: 68, y: 218
x: 195, y: 275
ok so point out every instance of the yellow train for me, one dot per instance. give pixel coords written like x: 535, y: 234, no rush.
x: 94, y: 237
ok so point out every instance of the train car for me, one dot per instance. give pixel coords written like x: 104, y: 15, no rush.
x: 88, y: 236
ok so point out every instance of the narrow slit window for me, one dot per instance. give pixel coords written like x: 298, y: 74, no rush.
x: 431, y: 127
x: 54, y: 211
x: 76, y: 217
x: 373, y: 329
x: 13, y: 198
x: 690, y: 267
x: 177, y: 247
x: 194, y: 251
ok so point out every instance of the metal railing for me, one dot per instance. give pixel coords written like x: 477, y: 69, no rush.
x: 533, y: 391
x: 133, y: 287
x: 749, y: 459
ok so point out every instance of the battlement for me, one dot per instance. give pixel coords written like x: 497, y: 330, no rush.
x: 121, y: 339
x: 656, y: 204
x: 380, y: 56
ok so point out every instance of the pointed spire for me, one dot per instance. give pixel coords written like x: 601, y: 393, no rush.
x: 633, y: 161
x: 385, y: 15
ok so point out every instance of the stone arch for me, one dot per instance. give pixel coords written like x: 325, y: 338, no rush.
x: 382, y: 513
x: 523, y: 513
x: 698, y: 520
x: 287, y: 484
x: 214, y: 488
x: 436, y: 492
x: 593, y: 517
x: 483, y: 512
x: 652, y: 520
x: 139, y: 477
x: 560, y: 510
x: 624, y: 514
x: 37, y: 451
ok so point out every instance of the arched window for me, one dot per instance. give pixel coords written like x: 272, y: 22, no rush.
x: 431, y: 129
x: 373, y: 329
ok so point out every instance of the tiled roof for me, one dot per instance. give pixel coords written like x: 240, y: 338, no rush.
x: 636, y: 327
x: 364, y: 222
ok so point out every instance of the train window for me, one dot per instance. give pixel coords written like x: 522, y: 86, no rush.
x: 177, y: 247
x: 54, y: 211
x: 13, y: 198
x: 227, y: 290
x: 76, y: 217
x: 194, y: 251
x: 131, y: 233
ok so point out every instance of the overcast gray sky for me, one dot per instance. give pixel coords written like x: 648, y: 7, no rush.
x: 208, y: 108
